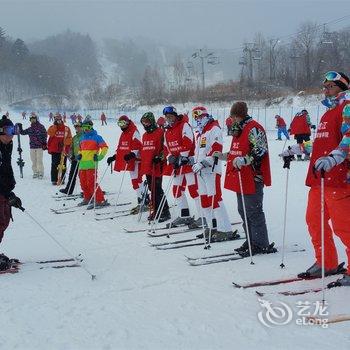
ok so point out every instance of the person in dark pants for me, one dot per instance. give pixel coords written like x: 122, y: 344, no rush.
x: 152, y: 161
x: 247, y: 172
x: 74, y: 151
x: 7, y: 183
x: 58, y: 145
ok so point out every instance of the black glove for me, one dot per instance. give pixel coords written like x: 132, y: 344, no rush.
x: 78, y: 157
x: 110, y: 160
x: 157, y: 159
x: 184, y: 160
x: 174, y: 161
x: 313, y: 127
x: 15, y: 201
x: 20, y: 127
x: 129, y: 156
x: 287, y: 160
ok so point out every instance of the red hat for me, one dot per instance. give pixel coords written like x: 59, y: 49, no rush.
x: 124, y: 117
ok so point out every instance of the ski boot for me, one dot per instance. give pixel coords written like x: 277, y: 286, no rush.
x: 184, y: 219
x: 220, y: 236
x: 256, y: 250
x: 307, y: 157
x: 5, y: 262
x: 316, y: 271
x: 83, y: 202
x: 63, y: 190
x: 198, y: 223
x: 341, y: 282
x: 165, y: 216
x: 98, y: 205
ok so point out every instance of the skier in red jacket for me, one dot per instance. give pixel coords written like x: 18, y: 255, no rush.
x: 127, y: 156
x: 152, y: 163
x: 179, y: 145
x: 327, y: 159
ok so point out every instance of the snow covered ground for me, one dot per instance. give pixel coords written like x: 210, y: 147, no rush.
x: 148, y: 299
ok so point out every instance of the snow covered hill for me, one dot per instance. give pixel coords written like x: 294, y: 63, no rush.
x: 148, y: 299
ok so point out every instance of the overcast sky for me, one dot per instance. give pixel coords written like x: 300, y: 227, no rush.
x: 214, y: 24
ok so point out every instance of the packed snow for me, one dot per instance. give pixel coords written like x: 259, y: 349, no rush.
x: 143, y: 298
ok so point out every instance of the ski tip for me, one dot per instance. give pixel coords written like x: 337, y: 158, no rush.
x: 260, y: 294
x: 236, y: 285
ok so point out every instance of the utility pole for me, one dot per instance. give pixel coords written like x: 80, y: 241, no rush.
x: 249, y: 50
x: 272, y: 61
x: 295, y: 59
x: 205, y: 57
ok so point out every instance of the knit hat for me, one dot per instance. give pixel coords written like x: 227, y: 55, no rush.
x: 125, y: 118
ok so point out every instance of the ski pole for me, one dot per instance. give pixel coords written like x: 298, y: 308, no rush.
x: 95, y: 185
x: 58, y: 243
x: 162, y: 204
x: 103, y: 175
x: 144, y: 196
x: 120, y: 189
x: 70, y: 185
x: 245, y: 218
x: 177, y: 188
x: 285, y: 219
x: 322, y: 236
x: 216, y: 159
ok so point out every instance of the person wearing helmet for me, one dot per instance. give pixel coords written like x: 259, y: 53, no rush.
x: 58, y: 145
x: 127, y: 156
x: 152, y: 163
x: 37, y: 144
x: 329, y: 160
x: 73, y: 154
x: 7, y: 183
x: 179, y: 146
x: 92, y: 149
x: 208, y: 169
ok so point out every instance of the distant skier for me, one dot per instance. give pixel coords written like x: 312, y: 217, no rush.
x: 37, y: 144
x: 24, y: 115
x: 103, y: 119
x: 281, y: 127
x: 58, y: 145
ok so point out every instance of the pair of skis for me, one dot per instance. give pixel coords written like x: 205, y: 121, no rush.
x: 44, y: 264
x: 340, y: 270
x: 226, y: 257
x: 74, y: 208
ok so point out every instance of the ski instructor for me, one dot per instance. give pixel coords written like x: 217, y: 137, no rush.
x: 7, y: 183
x: 327, y: 159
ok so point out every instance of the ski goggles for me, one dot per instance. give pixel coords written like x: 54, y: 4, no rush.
x: 122, y: 123
x: 86, y: 127
x: 8, y: 130
x: 335, y: 76
x: 77, y: 125
x: 169, y: 110
x: 198, y: 113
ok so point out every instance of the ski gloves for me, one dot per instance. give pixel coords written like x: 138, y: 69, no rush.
x: 15, y: 201
x: 129, y: 156
x: 177, y: 162
x: 327, y: 163
x: 110, y: 160
x: 239, y: 162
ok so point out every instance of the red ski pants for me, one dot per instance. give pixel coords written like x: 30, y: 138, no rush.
x: 336, y: 210
x: 87, y: 183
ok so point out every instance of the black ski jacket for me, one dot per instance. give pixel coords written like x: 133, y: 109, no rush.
x: 7, y: 179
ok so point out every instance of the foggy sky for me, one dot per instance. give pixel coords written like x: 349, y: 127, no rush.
x: 214, y: 24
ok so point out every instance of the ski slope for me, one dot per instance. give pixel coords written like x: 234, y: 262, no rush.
x: 143, y: 298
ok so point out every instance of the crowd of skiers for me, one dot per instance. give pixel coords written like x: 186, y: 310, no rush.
x: 193, y: 158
